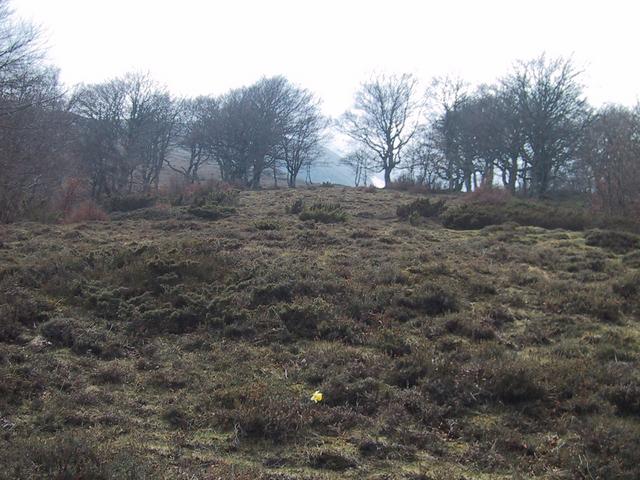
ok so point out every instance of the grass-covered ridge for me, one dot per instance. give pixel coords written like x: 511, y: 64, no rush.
x: 168, y: 343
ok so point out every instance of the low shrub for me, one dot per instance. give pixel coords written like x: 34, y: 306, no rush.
x: 406, y: 183
x: 176, y: 418
x: 296, y: 207
x: 18, y: 309
x: 516, y: 384
x: 471, y: 216
x: 474, y: 215
x: 221, y: 195
x: 628, y: 286
x: 392, y: 344
x: 626, y: 398
x: 110, y: 373
x: 263, y: 412
x: 266, y: 225
x: 87, y: 211
x: 410, y: 369
x: 324, y: 213
x: 67, y: 456
x: 303, y: 319
x: 610, y: 450
x: 201, y: 193
x: 475, y: 330
x: 211, y: 212
x: 632, y: 260
x: 431, y: 299
x: 598, y: 303
x: 342, y: 329
x: 617, y: 242
x: 168, y: 320
x: 362, y: 394
x: 422, y: 207
x: 128, y: 203
x: 59, y: 331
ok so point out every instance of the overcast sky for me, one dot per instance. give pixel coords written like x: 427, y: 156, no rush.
x: 330, y: 46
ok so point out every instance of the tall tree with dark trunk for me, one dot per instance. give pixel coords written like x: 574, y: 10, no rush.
x: 384, y: 119
x: 552, y: 111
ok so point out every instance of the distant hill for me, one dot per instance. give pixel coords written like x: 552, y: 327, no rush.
x: 328, y: 168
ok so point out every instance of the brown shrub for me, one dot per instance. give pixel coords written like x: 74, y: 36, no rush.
x: 181, y: 192
x: 87, y: 211
x: 618, y: 242
x: 406, y: 183
x: 73, y: 190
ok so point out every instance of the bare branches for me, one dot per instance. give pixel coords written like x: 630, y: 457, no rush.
x: 384, y: 119
x: 360, y: 162
x: 611, y: 158
x: 527, y: 128
x: 34, y: 126
x: 130, y: 124
x: 303, y: 134
x: 552, y: 110
x: 269, y: 123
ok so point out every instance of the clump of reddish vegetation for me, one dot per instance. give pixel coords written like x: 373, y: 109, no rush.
x: 86, y: 211
x: 72, y: 192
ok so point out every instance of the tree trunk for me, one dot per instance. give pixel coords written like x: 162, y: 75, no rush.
x: 387, y: 177
x: 513, y: 175
x: 255, y: 180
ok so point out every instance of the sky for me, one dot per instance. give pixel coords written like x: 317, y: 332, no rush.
x: 207, y: 47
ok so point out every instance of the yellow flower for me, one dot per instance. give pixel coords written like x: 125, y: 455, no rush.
x: 317, y: 396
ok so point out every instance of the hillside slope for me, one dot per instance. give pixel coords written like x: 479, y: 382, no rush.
x: 164, y: 345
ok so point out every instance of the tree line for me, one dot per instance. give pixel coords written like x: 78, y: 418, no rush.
x: 531, y: 132
x: 129, y: 127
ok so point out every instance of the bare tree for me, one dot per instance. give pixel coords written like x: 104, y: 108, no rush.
x: 611, y: 155
x: 258, y: 127
x: 552, y: 110
x: 359, y: 161
x: 247, y: 129
x: 450, y: 95
x: 35, y: 129
x: 196, y: 120
x: 384, y: 119
x: 427, y: 164
x: 302, y: 136
x: 129, y: 126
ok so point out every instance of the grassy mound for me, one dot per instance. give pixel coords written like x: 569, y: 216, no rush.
x: 177, y: 347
